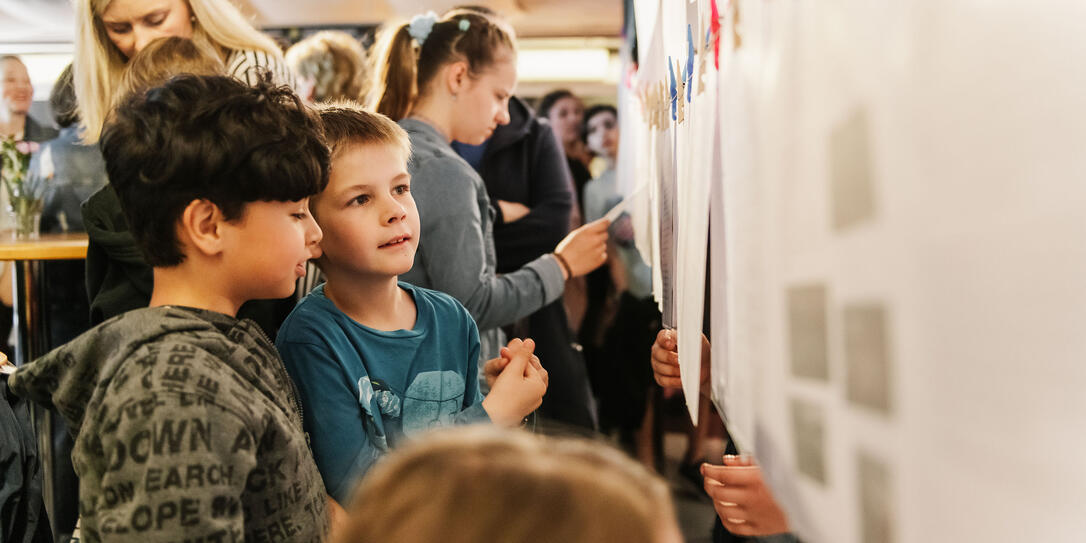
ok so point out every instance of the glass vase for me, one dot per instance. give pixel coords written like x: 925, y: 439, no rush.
x: 26, y: 215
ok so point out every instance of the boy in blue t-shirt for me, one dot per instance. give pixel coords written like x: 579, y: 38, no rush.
x: 377, y: 360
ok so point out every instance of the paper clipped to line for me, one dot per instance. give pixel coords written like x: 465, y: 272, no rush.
x: 613, y: 214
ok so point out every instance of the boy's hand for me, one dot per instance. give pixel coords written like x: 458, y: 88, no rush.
x: 519, y: 387
x: 494, y: 366
x: 742, y: 499
x: 585, y: 248
x: 665, y: 361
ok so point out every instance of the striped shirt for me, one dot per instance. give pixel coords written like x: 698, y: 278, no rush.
x: 249, y: 66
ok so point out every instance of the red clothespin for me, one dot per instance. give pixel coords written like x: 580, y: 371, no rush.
x: 714, y: 30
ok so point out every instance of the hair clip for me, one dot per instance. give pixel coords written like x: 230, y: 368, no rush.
x: 421, y: 25
x: 464, y: 25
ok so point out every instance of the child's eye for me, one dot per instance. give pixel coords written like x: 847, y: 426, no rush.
x: 401, y: 189
x: 300, y: 216
x: 361, y: 199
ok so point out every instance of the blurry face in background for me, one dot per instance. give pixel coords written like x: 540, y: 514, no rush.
x: 132, y: 24
x: 566, y: 116
x: 484, y: 103
x: 17, y: 91
x: 603, y: 134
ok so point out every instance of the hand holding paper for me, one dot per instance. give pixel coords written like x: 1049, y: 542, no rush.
x: 585, y: 248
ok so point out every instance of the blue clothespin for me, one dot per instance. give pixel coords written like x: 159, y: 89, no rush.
x: 689, y: 62
x: 674, y: 92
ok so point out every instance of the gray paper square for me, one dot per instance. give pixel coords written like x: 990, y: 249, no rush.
x: 809, y: 436
x: 877, y: 523
x: 867, y: 357
x: 852, y: 194
x: 807, y: 331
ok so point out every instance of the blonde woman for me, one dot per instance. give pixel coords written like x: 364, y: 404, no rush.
x: 483, y: 483
x: 330, y: 66
x: 110, y: 32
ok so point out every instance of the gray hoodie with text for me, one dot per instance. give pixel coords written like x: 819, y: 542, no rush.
x: 186, y: 428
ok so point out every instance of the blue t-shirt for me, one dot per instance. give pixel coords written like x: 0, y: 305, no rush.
x: 364, y: 390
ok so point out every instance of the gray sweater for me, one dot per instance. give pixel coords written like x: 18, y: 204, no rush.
x: 456, y: 248
x: 186, y: 428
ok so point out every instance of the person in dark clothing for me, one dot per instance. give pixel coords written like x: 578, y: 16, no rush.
x: 566, y: 115
x: 586, y: 301
x: 22, y: 511
x: 522, y: 164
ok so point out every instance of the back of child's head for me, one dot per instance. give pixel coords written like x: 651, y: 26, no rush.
x: 487, y: 484
x: 213, y: 138
x: 164, y: 58
x: 408, y: 57
x: 62, y: 99
x: 334, y: 61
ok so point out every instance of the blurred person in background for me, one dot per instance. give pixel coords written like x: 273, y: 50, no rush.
x: 110, y: 32
x: 621, y: 377
x: 565, y: 112
x: 586, y: 299
x: 15, y: 122
x: 18, y: 95
x: 329, y: 65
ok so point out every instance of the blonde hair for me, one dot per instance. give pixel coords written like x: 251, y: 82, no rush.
x: 482, y: 483
x: 162, y: 59
x: 98, y: 64
x: 335, y: 61
x: 347, y: 123
x: 403, y: 68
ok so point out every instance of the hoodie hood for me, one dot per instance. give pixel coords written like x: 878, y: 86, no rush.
x: 117, y: 277
x: 73, y: 375
x: 520, y: 124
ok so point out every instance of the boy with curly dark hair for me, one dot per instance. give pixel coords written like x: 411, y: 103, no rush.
x: 186, y: 424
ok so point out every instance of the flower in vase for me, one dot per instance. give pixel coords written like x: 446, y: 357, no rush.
x: 23, y: 191
x: 27, y: 147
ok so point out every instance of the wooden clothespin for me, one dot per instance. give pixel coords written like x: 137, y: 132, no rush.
x: 680, y: 113
x: 737, y: 39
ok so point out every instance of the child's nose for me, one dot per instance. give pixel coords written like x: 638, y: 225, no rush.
x: 396, y: 212
x: 314, y: 234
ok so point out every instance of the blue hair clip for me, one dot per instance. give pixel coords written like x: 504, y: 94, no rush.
x: 421, y: 25
x: 464, y: 25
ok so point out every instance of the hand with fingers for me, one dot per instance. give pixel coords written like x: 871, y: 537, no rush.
x: 517, y: 383
x: 741, y: 498
x: 584, y: 249
x: 665, y: 361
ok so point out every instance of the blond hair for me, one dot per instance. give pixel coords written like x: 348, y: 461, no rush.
x: 403, y: 69
x: 162, y: 59
x: 482, y: 483
x: 98, y: 64
x: 335, y: 61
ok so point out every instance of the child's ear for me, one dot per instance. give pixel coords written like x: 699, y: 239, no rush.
x: 201, y: 227
x: 456, y: 77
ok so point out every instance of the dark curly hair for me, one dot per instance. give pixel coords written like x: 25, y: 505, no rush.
x: 213, y: 138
